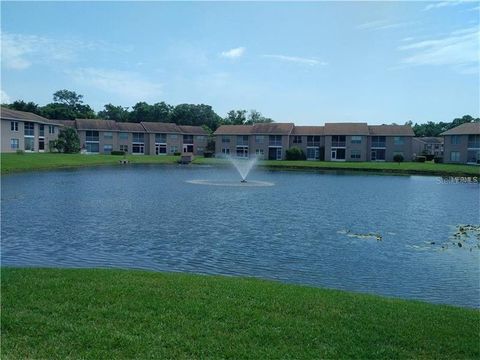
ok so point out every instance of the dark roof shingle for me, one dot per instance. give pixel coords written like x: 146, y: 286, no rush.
x: 6, y: 113
x: 192, y: 130
x: 346, y: 129
x: 159, y: 127
x: 234, y: 130
x: 472, y: 128
x: 391, y: 130
x: 308, y: 130
x: 96, y: 124
x: 273, y: 128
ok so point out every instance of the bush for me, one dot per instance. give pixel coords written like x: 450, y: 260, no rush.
x: 420, y: 158
x: 176, y: 153
x: 117, y: 153
x: 20, y: 152
x: 429, y: 157
x: 438, y: 159
x: 68, y: 141
x: 208, y: 154
x: 398, y: 158
x: 295, y: 153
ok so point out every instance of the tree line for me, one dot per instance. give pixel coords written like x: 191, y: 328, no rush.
x: 68, y: 105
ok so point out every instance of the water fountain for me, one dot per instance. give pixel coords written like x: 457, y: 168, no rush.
x: 243, y: 166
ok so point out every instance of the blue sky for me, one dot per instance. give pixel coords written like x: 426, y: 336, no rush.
x: 308, y: 63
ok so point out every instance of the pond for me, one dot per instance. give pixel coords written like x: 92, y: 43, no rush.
x: 387, y: 235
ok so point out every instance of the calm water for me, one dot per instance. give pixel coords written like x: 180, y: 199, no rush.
x: 150, y: 217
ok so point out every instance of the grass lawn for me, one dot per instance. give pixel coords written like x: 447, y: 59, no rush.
x: 427, y: 168
x: 12, y: 162
x: 36, y: 161
x: 58, y: 313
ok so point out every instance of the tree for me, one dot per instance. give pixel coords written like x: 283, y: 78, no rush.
x: 21, y: 105
x: 68, y: 141
x: 67, y: 105
x: 68, y: 98
x: 235, y: 117
x: 116, y: 113
x: 256, y: 117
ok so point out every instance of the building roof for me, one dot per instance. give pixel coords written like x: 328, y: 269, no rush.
x: 273, y: 128
x: 234, y: 130
x: 192, y: 130
x: 308, y: 130
x: 429, y: 139
x: 159, y: 127
x: 130, y: 127
x: 464, y: 129
x: 96, y: 124
x: 391, y: 130
x: 9, y: 114
x: 68, y: 123
x: 346, y: 129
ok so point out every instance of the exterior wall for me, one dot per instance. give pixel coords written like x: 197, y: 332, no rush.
x: 393, y: 149
x: 304, y: 144
x: 199, y: 144
x: 362, y: 148
x: 7, y: 134
x: 461, y: 148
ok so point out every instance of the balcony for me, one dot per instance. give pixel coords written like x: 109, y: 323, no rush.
x: 338, y: 143
x: 378, y: 144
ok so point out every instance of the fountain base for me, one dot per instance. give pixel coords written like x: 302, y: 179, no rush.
x: 243, y: 181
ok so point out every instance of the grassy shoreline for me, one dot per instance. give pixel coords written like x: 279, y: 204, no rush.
x: 93, y: 313
x: 13, y: 163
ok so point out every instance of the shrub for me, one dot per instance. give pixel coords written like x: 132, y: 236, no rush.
x: 398, y: 158
x: 295, y: 153
x: 68, y: 141
x: 118, y: 153
x: 20, y: 152
x: 208, y: 154
x: 438, y: 159
x: 176, y: 153
x: 421, y: 158
x: 429, y: 157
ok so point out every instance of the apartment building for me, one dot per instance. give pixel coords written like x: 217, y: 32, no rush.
x: 427, y: 145
x: 266, y: 141
x: 26, y: 131
x: 332, y: 142
x: 462, y: 144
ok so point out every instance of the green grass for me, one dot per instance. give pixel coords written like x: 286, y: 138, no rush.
x: 427, y: 168
x: 35, y: 161
x: 93, y: 314
x: 12, y: 162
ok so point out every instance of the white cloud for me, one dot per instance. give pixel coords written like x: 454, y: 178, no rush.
x: 382, y: 25
x: 296, y: 59
x: 128, y: 85
x: 442, y: 4
x: 460, y: 49
x: 4, y: 98
x: 233, y: 53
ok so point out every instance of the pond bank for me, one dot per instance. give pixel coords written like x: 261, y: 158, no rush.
x: 92, y: 313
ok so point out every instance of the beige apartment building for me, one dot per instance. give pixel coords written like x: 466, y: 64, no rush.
x: 462, y: 144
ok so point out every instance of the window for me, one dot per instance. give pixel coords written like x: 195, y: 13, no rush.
x: 138, y: 148
x: 91, y: 136
x: 455, y: 140
x: 275, y: 140
x: 225, y: 139
x: 242, y: 140
x: 173, y: 149
x: 455, y: 156
x: 14, y: 125
x: 242, y: 151
x: 29, y: 129
x: 259, y: 139
x: 226, y: 151
x: 399, y: 140
x: 124, y: 148
x: 297, y: 139
x: 313, y: 153
x: 51, y: 129
x: 173, y: 136
x: 41, y: 130
x: 160, y: 149
x: 123, y: 136
x: 200, y: 138
x: 199, y: 150
x: 107, y: 135
x: 378, y: 141
x: 188, y: 139
x: 29, y: 144
x: 313, y: 140
x: 474, y: 141
x: 338, y: 140
x: 161, y: 138
x: 473, y: 156
x: 107, y: 149
x: 14, y: 144
x: 259, y: 152
x: 378, y: 155
x: 355, y: 154
x: 356, y: 140
x: 92, y: 147
x: 138, y: 138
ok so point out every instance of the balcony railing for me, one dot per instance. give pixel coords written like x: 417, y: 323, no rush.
x: 474, y: 145
x: 378, y: 144
x: 338, y: 143
x: 91, y: 138
x: 274, y: 143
